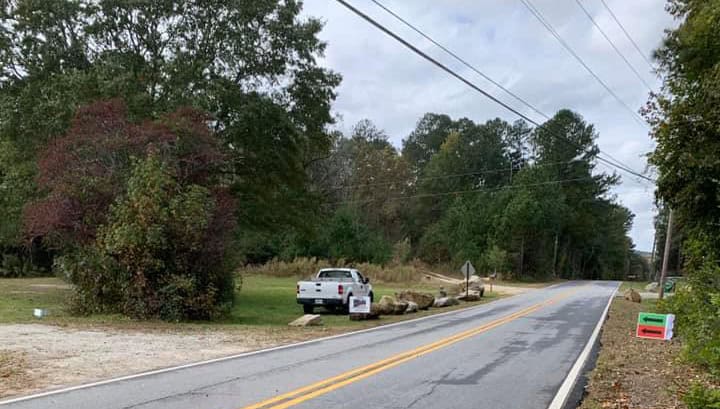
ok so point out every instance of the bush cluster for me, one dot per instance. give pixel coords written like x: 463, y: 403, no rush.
x: 146, y: 230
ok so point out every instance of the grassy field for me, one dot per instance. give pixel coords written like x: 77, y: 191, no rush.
x: 263, y: 301
x: 636, y: 285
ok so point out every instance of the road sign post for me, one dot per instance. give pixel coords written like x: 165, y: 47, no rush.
x: 467, y: 269
x: 655, y: 326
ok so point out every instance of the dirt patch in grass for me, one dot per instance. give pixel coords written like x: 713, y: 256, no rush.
x: 635, y: 373
x: 14, y: 374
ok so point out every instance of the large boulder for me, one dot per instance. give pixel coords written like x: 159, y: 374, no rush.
x: 470, y: 296
x: 412, y: 307
x: 307, y: 320
x: 423, y: 300
x: 632, y: 295
x: 400, y: 307
x: 386, y: 305
x: 445, y: 302
x: 475, y: 283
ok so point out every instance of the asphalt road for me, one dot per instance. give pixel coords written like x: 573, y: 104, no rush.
x: 512, y: 353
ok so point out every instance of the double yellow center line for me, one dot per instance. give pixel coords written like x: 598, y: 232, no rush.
x: 314, y: 390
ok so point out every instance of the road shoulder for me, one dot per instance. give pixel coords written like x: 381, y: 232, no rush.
x: 637, y: 373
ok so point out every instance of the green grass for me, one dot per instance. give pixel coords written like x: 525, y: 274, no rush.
x: 264, y: 301
x: 19, y: 296
x: 636, y: 285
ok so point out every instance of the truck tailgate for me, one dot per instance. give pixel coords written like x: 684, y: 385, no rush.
x: 318, y: 289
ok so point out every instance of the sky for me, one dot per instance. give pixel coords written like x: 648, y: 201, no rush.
x: 388, y: 84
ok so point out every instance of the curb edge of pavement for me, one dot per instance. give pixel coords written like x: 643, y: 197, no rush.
x: 566, y: 388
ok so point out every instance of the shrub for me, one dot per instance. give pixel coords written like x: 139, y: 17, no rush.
x: 15, y: 265
x: 157, y: 236
x: 701, y: 397
x: 697, y: 306
x: 140, y: 214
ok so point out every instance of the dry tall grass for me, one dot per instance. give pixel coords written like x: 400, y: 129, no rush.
x: 303, y: 267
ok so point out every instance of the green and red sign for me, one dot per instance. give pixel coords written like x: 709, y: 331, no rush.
x: 656, y: 326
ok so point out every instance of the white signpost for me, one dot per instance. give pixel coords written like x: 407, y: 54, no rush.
x: 359, y: 305
x: 467, y: 269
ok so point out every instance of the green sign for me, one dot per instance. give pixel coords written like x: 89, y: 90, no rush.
x: 657, y: 326
x: 648, y: 318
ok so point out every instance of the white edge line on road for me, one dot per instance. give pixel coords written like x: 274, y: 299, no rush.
x: 251, y: 353
x: 569, y: 383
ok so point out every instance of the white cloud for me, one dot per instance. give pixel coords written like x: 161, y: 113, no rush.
x: 385, y: 82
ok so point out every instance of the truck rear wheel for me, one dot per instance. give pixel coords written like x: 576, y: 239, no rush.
x: 308, y: 309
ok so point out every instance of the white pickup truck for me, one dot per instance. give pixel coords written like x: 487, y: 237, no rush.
x: 332, y: 288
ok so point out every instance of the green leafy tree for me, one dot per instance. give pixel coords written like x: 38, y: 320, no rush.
x: 495, y: 259
x: 346, y: 237
x: 251, y: 65
x: 685, y: 117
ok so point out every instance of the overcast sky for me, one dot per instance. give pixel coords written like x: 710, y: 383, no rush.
x: 387, y: 83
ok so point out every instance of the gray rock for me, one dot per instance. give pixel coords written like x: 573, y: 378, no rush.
x: 400, y: 307
x: 307, y: 320
x: 423, y: 300
x: 634, y: 296
x: 412, y: 307
x: 386, y: 305
x: 474, y: 285
x: 471, y: 296
x: 445, y: 302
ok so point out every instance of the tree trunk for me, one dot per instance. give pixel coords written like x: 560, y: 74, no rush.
x: 522, y: 255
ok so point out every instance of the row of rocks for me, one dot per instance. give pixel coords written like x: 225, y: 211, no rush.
x: 404, y: 302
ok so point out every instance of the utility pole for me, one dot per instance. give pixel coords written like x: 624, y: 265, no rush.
x: 652, y: 257
x: 666, y: 254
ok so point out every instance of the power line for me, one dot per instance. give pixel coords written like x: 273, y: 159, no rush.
x: 461, y: 60
x: 539, y: 16
x: 637, y: 74
x: 472, y: 67
x: 458, y: 192
x: 448, y: 176
x: 472, y: 85
x: 628, y: 35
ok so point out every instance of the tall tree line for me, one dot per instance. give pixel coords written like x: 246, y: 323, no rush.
x: 499, y: 194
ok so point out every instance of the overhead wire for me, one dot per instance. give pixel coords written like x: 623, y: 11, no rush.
x: 629, y: 37
x: 458, y: 192
x: 473, y: 86
x: 447, y: 176
x: 539, y: 16
x: 612, y: 44
x: 472, y: 67
x: 460, y: 59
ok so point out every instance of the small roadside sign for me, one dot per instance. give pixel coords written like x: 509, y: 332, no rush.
x: 655, y: 326
x: 467, y: 269
x: 359, y: 305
